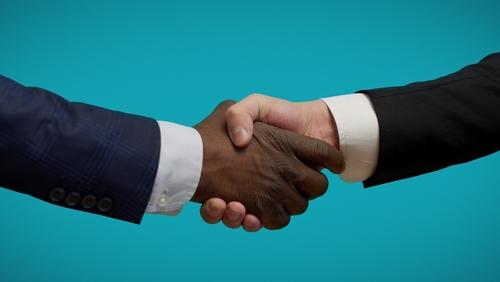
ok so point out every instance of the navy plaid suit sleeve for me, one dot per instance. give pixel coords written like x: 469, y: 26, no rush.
x: 76, y: 155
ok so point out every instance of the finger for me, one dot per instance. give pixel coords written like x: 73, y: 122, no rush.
x: 276, y: 219
x: 317, y: 152
x: 251, y: 223
x: 234, y: 215
x: 294, y: 203
x: 240, y: 117
x: 213, y: 210
x: 311, y: 182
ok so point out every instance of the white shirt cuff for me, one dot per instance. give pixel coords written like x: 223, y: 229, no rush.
x: 358, y: 129
x: 179, y: 168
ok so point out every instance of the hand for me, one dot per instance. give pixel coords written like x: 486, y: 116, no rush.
x: 268, y: 176
x: 311, y: 119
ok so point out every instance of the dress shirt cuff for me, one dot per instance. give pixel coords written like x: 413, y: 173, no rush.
x: 179, y: 168
x: 358, y: 130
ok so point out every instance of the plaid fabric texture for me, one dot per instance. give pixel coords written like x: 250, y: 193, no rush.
x: 47, y: 143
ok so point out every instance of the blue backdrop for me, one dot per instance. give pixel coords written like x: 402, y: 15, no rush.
x: 175, y: 60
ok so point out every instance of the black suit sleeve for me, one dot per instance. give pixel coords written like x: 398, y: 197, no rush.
x: 430, y: 125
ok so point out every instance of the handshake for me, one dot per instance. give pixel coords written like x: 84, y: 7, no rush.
x: 262, y: 160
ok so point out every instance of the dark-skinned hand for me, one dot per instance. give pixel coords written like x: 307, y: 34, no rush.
x: 269, y: 176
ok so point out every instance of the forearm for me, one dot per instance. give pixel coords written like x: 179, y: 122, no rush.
x: 430, y: 125
x: 64, y: 152
x: 400, y: 132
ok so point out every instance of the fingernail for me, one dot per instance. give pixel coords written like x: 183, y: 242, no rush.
x: 239, y: 134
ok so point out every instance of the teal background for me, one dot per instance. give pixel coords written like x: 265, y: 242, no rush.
x: 175, y: 60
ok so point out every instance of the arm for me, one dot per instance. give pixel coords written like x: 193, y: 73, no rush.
x: 391, y: 133
x: 430, y: 125
x: 105, y: 162
x: 76, y: 155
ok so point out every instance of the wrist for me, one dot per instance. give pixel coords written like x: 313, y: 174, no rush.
x: 322, y: 123
x: 358, y: 129
x: 198, y: 195
x: 179, y: 168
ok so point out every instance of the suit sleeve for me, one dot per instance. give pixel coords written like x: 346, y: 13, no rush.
x: 430, y: 125
x: 76, y: 155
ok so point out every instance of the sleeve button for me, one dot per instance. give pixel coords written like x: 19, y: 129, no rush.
x: 105, y: 204
x: 89, y: 201
x: 73, y: 199
x: 57, y: 194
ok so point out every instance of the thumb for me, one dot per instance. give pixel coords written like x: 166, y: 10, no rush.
x: 240, y: 118
x: 317, y: 152
x: 239, y: 125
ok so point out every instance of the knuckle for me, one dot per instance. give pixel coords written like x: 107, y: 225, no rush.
x: 255, y: 96
x: 283, y: 168
x: 232, y: 111
x: 226, y: 104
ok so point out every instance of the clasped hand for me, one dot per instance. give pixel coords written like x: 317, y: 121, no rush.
x: 269, y: 175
